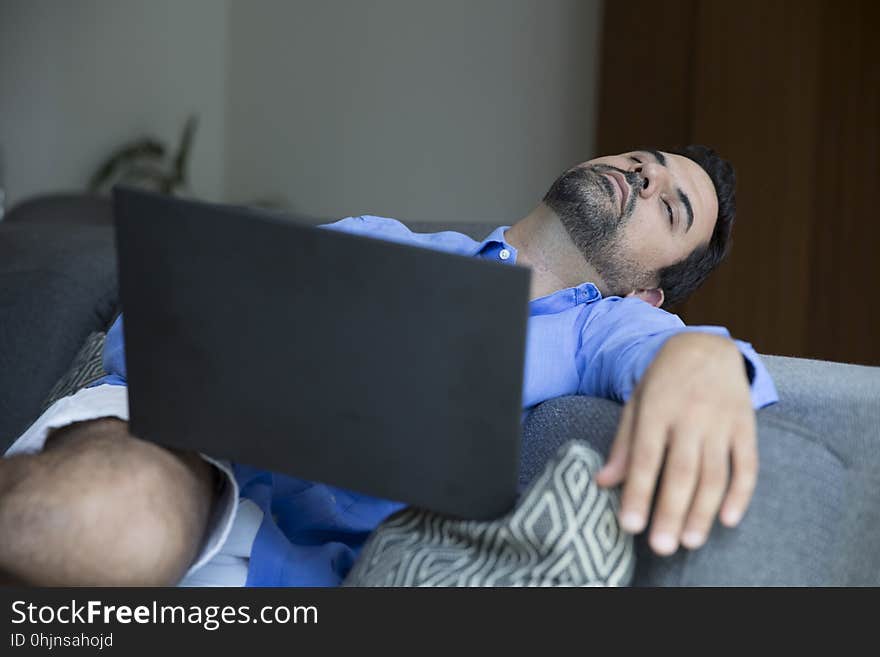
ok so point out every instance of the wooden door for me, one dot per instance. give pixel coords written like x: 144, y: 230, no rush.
x: 788, y: 91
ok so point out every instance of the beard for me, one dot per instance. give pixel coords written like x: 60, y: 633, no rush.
x: 585, y: 202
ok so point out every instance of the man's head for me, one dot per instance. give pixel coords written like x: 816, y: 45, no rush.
x: 651, y: 224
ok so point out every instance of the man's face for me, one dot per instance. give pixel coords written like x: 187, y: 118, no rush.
x: 632, y: 214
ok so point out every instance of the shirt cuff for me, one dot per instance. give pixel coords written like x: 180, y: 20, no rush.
x: 762, y: 388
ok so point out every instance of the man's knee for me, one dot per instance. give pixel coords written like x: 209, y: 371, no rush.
x: 99, y: 506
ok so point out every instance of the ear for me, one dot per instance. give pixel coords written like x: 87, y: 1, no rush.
x: 654, y: 296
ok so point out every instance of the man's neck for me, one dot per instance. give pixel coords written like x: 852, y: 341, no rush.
x: 543, y: 245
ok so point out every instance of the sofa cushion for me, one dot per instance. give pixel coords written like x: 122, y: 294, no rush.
x: 87, y: 367
x: 562, y: 532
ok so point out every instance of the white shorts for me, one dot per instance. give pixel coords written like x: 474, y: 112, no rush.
x: 225, y: 553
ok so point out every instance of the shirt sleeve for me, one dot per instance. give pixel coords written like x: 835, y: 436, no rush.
x: 113, y: 357
x: 621, y: 337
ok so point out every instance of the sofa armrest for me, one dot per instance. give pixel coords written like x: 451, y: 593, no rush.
x: 58, y: 284
x: 808, y: 509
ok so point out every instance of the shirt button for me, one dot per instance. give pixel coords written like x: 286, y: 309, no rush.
x: 504, y: 254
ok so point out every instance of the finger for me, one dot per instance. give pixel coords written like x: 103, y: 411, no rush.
x: 615, y: 467
x: 646, y: 455
x: 714, y: 474
x: 745, y: 476
x: 680, y: 475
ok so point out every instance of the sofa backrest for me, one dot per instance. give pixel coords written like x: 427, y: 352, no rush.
x: 833, y: 398
x: 838, y: 402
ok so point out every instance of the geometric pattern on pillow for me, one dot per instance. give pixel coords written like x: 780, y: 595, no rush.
x: 562, y: 532
x: 87, y: 367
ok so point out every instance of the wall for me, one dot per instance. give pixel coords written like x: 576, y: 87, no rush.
x: 415, y: 109
x: 77, y: 79
x: 425, y: 111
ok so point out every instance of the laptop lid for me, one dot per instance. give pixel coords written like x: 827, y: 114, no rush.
x: 391, y: 370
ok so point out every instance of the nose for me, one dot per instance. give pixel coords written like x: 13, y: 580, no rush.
x: 653, y: 177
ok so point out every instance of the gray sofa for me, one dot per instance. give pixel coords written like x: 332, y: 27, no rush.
x: 815, y: 516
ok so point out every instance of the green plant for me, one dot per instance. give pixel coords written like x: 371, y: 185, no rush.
x: 145, y: 163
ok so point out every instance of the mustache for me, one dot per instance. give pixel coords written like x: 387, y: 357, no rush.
x: 631, y: 176
x: 586, y: 173
x: 593, y: 172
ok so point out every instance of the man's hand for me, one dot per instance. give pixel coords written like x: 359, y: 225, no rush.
x: 693, y: 409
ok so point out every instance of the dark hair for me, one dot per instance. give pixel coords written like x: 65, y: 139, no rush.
x: 679, y: 280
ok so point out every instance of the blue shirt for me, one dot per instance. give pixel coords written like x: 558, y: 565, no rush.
x: 577, y: 343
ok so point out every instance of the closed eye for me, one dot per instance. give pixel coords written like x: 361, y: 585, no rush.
x: 668, y: 207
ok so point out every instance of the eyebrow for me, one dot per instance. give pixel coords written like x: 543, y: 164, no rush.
x: 660, y: 157
x: 685, y: 201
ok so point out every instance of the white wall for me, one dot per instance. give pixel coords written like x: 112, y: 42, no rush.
x: 78, y: 79
x: 423, y: 110
x: 416, y: 109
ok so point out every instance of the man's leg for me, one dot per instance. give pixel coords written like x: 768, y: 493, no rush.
x: 101, y: 507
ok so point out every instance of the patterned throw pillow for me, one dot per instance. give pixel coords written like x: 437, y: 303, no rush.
x: 562, y: 532
x: 87, y: 367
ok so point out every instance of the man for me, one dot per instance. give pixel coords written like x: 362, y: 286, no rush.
x: 614, y: 239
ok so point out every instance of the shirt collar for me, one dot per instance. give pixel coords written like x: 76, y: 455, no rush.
x: 565, y: 299
x: 495, y: 247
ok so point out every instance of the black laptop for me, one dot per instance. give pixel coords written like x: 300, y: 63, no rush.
x: 387, y: 369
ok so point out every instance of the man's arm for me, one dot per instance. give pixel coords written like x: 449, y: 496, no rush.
x: 689, y: 412
x: 100, y: 507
